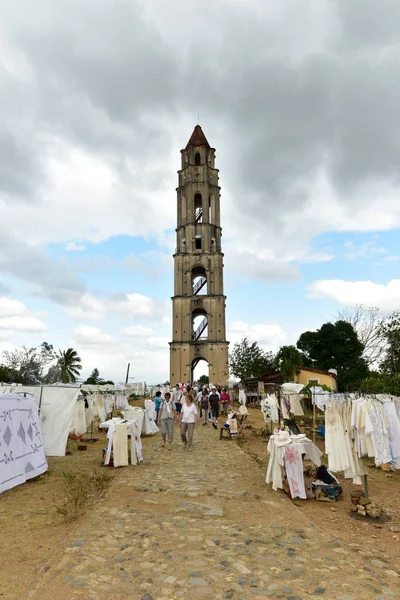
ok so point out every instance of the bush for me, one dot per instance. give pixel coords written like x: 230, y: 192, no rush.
x: 79, y: 490
x: 380, y: 383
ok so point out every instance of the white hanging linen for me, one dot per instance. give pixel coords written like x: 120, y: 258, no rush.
x: 149, y: 424
x: 394, y: 432
x: 22, y: 451
x: 295, y: 405
x: 109, y: 403
x: 278, y: 445
x: 78, y: 422
x: 376, y: 427
x: 120, y: 401
x: 136, y: 442
x: 120, y: 445
x: 294, y: 470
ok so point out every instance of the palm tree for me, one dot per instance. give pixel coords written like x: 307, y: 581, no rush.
x: 289, y: 360
x: 69, y: 363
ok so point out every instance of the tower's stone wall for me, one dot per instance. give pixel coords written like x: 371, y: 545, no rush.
x: 198, y: 254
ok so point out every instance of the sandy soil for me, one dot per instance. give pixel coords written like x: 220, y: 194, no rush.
x: 369, y: 537
x: 32, y: 531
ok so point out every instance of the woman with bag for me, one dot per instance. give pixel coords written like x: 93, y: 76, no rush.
x: 166, y: 417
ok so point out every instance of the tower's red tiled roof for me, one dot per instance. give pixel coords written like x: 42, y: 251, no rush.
x: 198, y: 138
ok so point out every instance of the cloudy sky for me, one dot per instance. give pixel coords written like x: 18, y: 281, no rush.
x: 97, y: 98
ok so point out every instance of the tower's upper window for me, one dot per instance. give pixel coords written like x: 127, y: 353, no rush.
x: 197, y: 159
x: 198, y: 242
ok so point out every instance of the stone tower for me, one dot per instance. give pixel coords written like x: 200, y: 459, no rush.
x: 198, y: 304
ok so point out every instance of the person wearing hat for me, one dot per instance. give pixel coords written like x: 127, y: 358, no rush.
x: 214, y: 405
x: 166, y: 417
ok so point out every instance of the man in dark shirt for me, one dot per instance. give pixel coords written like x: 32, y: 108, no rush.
x: 214, y: 405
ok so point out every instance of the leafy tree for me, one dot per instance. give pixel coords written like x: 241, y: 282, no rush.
x: 381, y: 383
x: 204, y: 379
x: 367, y: 321
x: 391, y: 333
x: 26, y: 365
x: 288, y: 360
x: 336, y: 345
x: 249, y: 360
x: 94, y: 378
x: 5, y: 376
x: 69, y: 364
x: 53, y: 375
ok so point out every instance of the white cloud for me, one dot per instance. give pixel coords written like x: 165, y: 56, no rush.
x: 15, y: 316
x: 386, y: 297
x: 72, y: 247
x: 88, y: 308
x: 269, y: 336
x: 138, y: 331
x: 133, y: 306
x: 125, y: 306
x: 367, y: 249
x: 84, y: 335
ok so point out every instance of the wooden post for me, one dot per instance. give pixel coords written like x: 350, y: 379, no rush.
x: 366, y: 490
x: 314, y: 408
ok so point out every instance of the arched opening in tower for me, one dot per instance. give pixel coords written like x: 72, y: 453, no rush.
x: 197, y: 159
x: 199, y: 325
x: 199, y: 281
x: 198, y: 208
x: 199, y: 367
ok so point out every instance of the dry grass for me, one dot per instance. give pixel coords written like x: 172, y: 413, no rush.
x: 32, y: 530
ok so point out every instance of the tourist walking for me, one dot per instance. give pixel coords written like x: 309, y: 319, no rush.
x: 166, y: 417
x: 177, y: 400
x: 189, y: 420
x: 157, y: 402
x: 225, y: 401
x: 204, y: 406
x: 214, y: 405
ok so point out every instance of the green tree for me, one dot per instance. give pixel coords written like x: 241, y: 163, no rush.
x: 5, y: 375
x: 52, y: 375
x: 69, y: 364
x: 336, y: 345
x: 249, y: 360
x: 204, y: 379
x: 367, y: 322
x: 26, y: 365
x: 94, y: 378
x: 288, y: 360
x: 390, y: 329
x: 381, y: 383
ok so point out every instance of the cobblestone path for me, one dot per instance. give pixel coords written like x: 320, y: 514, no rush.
x: 204, y: 525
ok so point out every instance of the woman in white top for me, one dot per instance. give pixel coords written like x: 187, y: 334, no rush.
x: 189, y: 420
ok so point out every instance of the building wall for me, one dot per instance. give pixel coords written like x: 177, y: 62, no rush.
x: 305, y: 376
x: 182, y: 356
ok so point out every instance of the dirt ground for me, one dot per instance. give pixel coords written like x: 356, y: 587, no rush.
x: 369, y: 537
x: 33, y: 533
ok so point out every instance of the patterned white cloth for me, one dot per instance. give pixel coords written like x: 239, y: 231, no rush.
x: 21, y: 446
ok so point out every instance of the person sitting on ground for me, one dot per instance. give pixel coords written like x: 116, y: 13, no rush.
x: 214, y: 405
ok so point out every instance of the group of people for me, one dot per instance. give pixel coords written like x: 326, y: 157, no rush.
x: 185, y: 406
